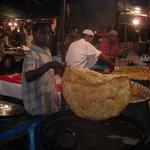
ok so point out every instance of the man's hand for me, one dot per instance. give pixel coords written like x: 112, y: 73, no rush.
x: 59, y: 68
x: 109, y: 60
x: 112, y: 67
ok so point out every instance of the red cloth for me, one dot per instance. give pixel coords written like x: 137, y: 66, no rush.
x: 110, y: 49
x: 14, y: 78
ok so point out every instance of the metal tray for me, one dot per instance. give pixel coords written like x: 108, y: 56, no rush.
x: 10, y: 110
x: 145, y: 92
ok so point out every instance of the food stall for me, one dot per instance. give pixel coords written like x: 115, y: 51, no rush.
x: 95, y: 118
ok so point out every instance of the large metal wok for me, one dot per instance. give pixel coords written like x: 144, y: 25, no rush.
x: 66, y: 131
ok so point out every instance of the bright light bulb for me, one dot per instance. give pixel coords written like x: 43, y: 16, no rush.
x: 136, y: 22
x: 15, y: 24
x: 137, y: 8
x: 10, y: 23
x: 137, y: 11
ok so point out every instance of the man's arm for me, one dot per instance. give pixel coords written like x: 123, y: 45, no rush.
x: 108, y: 60
x: 33, y: 75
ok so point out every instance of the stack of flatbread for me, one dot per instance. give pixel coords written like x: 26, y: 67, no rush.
x: 95, y: 96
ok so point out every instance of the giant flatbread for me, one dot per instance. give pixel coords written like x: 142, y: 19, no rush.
x: 95, y: 96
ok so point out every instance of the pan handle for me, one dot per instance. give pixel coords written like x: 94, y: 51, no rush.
x: 66, y: 138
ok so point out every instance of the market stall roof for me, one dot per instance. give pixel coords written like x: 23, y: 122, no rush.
x: 33, y: 8
x: 134, y: 8
x: 10, y: 12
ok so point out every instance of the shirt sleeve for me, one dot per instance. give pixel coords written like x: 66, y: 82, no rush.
x: 92, y: 51
x: 29, y: 63
x: 104, y: 46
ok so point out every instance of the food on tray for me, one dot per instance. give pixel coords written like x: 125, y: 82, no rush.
x: 93, y: 95
x: 134, y: 72
x: 139, y: 92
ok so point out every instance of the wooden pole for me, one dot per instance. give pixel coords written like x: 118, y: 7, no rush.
x: 125, y: 25
x: 63, y: 30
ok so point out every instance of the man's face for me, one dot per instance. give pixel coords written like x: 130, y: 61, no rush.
x: 90, y: 39
x: 113, y: 37
x: 42, y: 36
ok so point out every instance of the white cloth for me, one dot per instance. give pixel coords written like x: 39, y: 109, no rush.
x: 10, y: 89
x: 82, y: 54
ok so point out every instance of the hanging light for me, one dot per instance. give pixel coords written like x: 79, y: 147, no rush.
x: 136, y: 22
x: 10, y: 24
x: 15, y: 24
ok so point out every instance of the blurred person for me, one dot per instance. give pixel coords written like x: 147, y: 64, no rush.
x: 15, y: 37
x: 82, y: 53
x: 7, y: 64
x: 2, y: 44
x: 6, y: 39
x: 19, y: 37
x: 53, y: 44
x: 39, y: 92
x: 70, y: 37
x: 22, y: 37
x: 29, y: 38
x: 109, y: 45
x: 143, y: 48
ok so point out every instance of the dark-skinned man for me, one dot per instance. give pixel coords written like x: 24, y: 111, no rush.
x: 38, y: 84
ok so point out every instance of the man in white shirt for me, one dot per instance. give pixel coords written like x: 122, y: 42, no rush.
x: 83, y: 54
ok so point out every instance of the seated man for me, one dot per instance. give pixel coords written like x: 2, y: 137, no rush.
x: 82, y: 53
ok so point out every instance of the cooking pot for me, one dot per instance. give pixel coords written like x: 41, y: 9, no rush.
x: 66, y: 131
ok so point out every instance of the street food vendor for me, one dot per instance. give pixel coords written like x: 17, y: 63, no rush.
x: 110, y: 47
x: 83, y: 54
x: 38, y: 85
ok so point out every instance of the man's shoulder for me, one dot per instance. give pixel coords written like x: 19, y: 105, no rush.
x: 30, y: 55
x: 31, y: 52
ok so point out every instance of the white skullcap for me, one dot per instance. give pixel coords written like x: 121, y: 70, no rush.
x: 88, y: 32
x: 113, y: 32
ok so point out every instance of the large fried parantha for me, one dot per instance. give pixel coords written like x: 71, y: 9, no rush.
x: 95, y: 96
x: 134, y: 72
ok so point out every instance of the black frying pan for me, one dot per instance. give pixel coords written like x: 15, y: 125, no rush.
x: 66, y: 131
x: 148, y: 62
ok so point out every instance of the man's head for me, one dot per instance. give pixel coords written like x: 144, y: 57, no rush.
x: 41, y: 34
x: 113, y: 35
x: 88, y: 35
x: 29, y: 31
